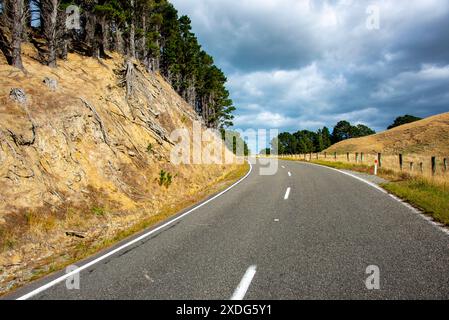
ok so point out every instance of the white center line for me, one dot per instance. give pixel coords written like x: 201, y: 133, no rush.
x: 287, y: 193
x: 244, y: 284
x: 289, y: 174
x: 283, y: 167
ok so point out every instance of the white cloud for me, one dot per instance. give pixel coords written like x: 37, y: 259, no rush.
x: 307, y: 63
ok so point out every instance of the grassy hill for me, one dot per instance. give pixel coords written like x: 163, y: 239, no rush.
x: 427, y: 136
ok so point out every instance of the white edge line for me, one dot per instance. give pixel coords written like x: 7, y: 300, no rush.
x: 421, y: 214
x: 146, y: 235
x: 244, y: 284
x: 287, y: 193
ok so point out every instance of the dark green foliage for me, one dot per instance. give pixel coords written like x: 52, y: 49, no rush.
x: 399, y: 121
x: 344, y: 130
x: 165, y: 178
x: 306, y: 141
x: 150, y: 148
x: 361, y: 131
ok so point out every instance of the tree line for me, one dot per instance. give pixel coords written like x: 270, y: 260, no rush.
x: 148, y: 30
x: 305, y: 141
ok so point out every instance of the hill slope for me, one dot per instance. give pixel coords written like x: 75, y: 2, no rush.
x: 86, y: 155
x: 428, y: 136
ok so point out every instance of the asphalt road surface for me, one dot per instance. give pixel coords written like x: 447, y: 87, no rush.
x: 307, y: 232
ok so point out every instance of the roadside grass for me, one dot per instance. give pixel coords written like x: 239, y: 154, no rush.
x: 431, y: 198
x: 430, y: 195
x: 88, y: 247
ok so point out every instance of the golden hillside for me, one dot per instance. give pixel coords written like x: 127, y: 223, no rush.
x: 87, y: 156
x: 429, y: 136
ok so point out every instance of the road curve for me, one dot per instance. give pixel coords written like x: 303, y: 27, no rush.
x: 307, y: 232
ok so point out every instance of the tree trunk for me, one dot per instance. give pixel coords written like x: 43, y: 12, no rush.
x: 143, y: 41
x: 51, y: 25
x: 18, y: 14
x: 118, y: 40
x: 90, y: 37
x: 132, y: 33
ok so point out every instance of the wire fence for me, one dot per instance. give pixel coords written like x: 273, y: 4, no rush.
x: 413, y: 164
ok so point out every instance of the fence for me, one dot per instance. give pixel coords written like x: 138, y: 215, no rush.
x: 412, y: 164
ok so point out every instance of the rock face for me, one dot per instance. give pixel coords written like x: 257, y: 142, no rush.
x: 75, y: 155
x: 18, y: 95
x: 90, y: 134
x: 52, y: 84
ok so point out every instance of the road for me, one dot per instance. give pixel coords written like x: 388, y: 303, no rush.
x: 307, y: 232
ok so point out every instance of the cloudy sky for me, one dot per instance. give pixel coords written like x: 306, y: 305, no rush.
x: 303, y: 64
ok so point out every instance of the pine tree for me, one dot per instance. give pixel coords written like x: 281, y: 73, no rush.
x: 148, y: 30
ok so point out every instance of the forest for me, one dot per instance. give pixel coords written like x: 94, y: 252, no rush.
x: 305, y: 141
x: 150, y: 31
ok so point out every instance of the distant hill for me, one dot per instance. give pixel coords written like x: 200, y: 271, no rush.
x: 427, y: 136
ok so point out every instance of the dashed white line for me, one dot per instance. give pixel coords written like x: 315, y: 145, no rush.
x: 282, y: 167
x: 289, y: 174
x: 287, y: 194
x: 244, y: 284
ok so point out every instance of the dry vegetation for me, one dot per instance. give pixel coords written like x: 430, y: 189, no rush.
x: 80, y: 166
x: 425, y: 137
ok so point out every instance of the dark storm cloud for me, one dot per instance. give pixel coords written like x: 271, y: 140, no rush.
x: 296, y: 64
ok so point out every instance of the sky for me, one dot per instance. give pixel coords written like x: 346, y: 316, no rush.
x: 305, y: 64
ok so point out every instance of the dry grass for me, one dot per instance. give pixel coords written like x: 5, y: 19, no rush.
x: 426, y: 137
x: 82, y: 248
x: 414, y: 165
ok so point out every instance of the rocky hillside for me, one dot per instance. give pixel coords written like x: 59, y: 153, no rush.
x: 84, y: 155
x: 427, y: 137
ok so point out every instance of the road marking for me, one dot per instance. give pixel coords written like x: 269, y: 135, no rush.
x: 244, y: 284
x: 289, y: 174
x: 287, y: 193
x: 283, y: 167
x: 128, y: 244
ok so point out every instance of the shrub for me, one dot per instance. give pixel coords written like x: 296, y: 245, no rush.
x: 165, y: 178
x: 150, y: 148
x: 98, y: 211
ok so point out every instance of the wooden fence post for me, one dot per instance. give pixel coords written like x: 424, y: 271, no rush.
x: 361, y: 157
x: 421, y: 167
x: 379, y: 159
x: 325, y: 155
x: 434, y: 165
x: 400, y: 161
x: 347, y: 156
x: 445, y: 164
x: 356, y: 157
x: 335, y: 156
x: 411, y: 166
